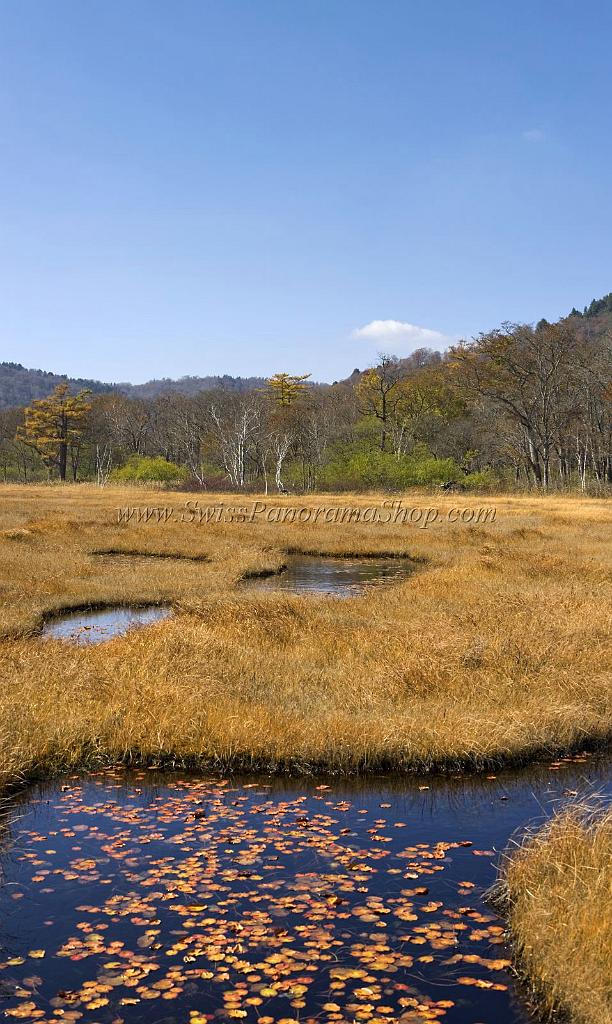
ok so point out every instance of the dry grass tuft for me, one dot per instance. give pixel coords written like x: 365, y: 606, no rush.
x: 495, y: 650
x: 557, y: 888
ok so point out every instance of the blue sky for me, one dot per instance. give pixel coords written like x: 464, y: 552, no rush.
x: 245, y: 186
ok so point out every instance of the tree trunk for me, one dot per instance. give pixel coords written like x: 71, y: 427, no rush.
x: 62, y: 459
x: 534, y: 460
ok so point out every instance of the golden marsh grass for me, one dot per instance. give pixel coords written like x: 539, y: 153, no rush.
x: 495, y: 650
x: 557, y: 890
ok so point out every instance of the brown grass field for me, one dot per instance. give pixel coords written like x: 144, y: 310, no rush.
x: 557, y: 891
x: 495, y: 650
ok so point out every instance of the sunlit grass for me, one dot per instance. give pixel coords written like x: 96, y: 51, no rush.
x: 558, y: 895
x: 495, y: 650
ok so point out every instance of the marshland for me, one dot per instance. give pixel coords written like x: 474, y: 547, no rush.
x: 495, y: 649
x: 305, y: 518
x: 458, y: 692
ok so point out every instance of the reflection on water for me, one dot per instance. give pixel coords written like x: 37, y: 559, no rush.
x: 87, y: 627
x: 343, y: 577
x: 160, y: 898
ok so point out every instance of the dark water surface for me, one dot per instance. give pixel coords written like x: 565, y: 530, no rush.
x: 93, y: 627
x: 342, y: 577
x: 161, y: 898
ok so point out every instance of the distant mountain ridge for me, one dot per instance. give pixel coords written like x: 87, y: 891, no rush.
x: 188, y: 385
x: 20, y: 385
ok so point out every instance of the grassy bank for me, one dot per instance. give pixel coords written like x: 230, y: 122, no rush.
x: 495, y: 650
x: 557, y: 892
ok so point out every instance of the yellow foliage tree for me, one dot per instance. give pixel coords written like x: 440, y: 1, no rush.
x: 54, y: 425
x: 286, y: 388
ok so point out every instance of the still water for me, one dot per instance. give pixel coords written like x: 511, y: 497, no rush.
x: 162, y: 898
x: 342, y: 577
x: 93, y: 627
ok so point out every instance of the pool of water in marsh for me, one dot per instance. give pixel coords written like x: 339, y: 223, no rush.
x: 160, y: 898
x: 342, y: 577
x: 93, y: 627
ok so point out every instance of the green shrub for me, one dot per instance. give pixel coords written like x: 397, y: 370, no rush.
x: 482, y: 480
x: 145, y: 469
x: 358, y: 466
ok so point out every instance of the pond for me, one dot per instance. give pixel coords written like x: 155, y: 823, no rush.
x: 93, y: 627
x: 162, y: 898
x: 342, y: 577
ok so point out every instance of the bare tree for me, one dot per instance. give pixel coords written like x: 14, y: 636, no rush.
x: 378, y: 393
x: 129, y: 420
x: 280, y: 443
x: 530, y: 374
x: 104, y: 464
x: 235, y: 422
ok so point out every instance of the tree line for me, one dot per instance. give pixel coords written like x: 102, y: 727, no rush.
x: 529, y: 406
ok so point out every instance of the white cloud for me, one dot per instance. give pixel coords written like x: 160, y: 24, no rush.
x: 533, y: 135
x: 398, y: 331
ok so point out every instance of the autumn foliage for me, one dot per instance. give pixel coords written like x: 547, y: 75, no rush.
x: 54, y: 426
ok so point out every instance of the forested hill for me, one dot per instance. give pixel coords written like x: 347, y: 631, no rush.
x: 189, y: 385
x: 596, y: 318
x: 19, y: 385
x: 597, y: 308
